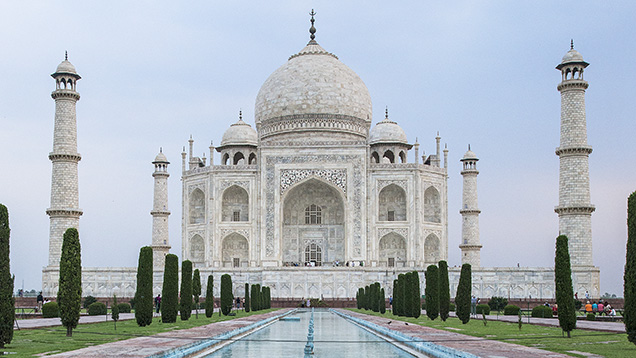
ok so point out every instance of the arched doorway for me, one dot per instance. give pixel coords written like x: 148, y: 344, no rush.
x: 235, y: 251
x: 313, y: 214
x: 392, y: 250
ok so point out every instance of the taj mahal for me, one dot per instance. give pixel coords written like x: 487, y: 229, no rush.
x: 318, y: 198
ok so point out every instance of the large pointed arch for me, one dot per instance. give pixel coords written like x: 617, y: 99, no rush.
x: 235, y: 204
x: 392, y: 203
x: 432, y: 205
x: 196, y: 206
x: 235, y: 250
x: 432, y: 249
x: 392, y: 249
x: 197, y: 250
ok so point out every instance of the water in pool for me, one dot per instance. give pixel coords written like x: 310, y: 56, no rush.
x: 334, y: 336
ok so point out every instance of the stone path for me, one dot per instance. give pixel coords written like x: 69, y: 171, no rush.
x: 475, y: 345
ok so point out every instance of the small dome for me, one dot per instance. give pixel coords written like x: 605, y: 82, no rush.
x: 66, y: 67
x: 161, y: 158
x: 470, y: 155
x: 572, y: 56
x: 240, y: 133
x: 387, y: 131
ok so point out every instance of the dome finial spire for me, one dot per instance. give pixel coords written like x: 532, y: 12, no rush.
x: 240, y: 114
x: 571, y: 44
x: 312, y: 29
x: 65, y: 55
x: 386, y: 112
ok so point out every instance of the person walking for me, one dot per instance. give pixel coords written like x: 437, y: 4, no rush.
x: 40, y: 301
x: 158, y: 302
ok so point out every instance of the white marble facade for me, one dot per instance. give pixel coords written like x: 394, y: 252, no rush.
x: 316, y: 200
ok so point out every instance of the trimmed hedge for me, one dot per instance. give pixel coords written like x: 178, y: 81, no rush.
x: 124, y: 307
x: 97, y: 308
x: 451, y: 307
x: 590, y: 317
x: 50, y: 310
x: 483, y: 309
x: 88, y: 300
x: 511, y: 310
x: 542, y: 312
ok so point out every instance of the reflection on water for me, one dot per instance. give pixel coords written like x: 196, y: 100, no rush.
x: 334, y: 336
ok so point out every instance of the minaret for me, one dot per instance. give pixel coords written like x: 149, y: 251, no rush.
x: 574, y: 209
x: 160, y: 213
x: 64, y: 211
x: 470, y: 245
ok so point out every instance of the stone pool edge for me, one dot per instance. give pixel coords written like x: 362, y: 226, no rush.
x: 419, y: 345
x: 198, y: 346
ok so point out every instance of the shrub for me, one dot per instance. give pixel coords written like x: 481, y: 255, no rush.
x: 124, y: 307
x: 88, y: 300
x: 143, y: 294
x: 578, y: 304
x: 7, y: 302
x: 563, y: 285
x: 511, y: 310
x: 69, y: 294
x: 444, y: 290
x: 115, y: 310
x: 464, y: 291
x: 382, y: 301
x: 451, y: 307
x: 170, y: 291
x: 497, y: 303
x: 186, y: 290
x: 629, y: 277
x: 97, y: 308
x: 542, y: 312
x: 485, y: 309
x: 431, y: 292
x: 196, y: 289
x: 226, y: 294
x: 591, y: 317
x: 415, y: 294
x: 209, y: 297
x: 50, y: 310
x: 247, y: 304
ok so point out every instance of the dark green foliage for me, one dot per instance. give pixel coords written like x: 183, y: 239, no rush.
x: 400, y: 296
x: 268, y: 298
x: 170, y: 290
x: 578, y: 304
x: 444, y: 291
x: 396, y: 287
x: 196, y: 289
x: 97, y: 308
x: 511, y: 310
x: 254, y: 297
x: 590, y: 317
x: 382, y: 301
x: 367, y: 292
x: 359, y: 298
x: 124, y: 307
x: 143, y: 295
x: 629, y: 314
x: 563, y: 286
x: 542, y: 312
x: 497, y: 303
x: 209, y: 297
x: 69, y: 294
x: 114, y: 309
x: 485, y: 309
x: 186, y: 290
x: 132, y: 302
x: 431, y: 291
x: 247, y: 297
x: 375, y: 297
x: 415, y: 294
x: 451, y: 307
x: 464, y: 291
x: 7, y: 302
x: 88, y: 300
x: 50, y: 310
x: 227, y: 297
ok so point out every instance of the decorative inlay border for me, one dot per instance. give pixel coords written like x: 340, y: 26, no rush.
x: 228, y: 183
x: 289, y: 177
x: 192, y: 187
x: 402, y: 231
x: 384, y: 183
x: 226, y: 232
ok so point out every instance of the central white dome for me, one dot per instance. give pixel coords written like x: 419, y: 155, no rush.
x: 313, y: 81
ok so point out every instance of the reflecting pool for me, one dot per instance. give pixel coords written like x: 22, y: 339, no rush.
x: 334, y: 336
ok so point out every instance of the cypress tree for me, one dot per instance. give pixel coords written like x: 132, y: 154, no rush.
x: 464, y: 290
x: 417, y: 301
x: 400, y: 294
x: 432, y: 292
x: 7, y: 302
x: 382, y: 301
x: 143, y: 295
x: 115, y: 311
x: 196, y: 290
x: 629, y: 277
x: 358, y: 299
x: 254, y: 298
x: 170, y: 290
x: 394, y: 308
x: 367, y: 293
x: 563, y: 285
x: 444, y: 291
x: 247, y: 297
x: 226, y: 294
x: 268, y: 298
x: 186, y: 290
x: 209, y: 297
x: 69, y: 294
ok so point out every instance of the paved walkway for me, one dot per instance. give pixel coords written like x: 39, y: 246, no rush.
x: 618, y: 327
x: 478, y: 346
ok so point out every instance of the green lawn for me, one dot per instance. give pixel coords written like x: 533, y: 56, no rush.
x: 29, y: 342
x: 611, y: 345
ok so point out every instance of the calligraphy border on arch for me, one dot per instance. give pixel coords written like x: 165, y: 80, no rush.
x: 289, y: 177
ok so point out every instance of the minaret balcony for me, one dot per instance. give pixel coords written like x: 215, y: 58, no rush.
x: 573, y: 84
x: 573, y: 151
x: 65, y: 93
x: 65, y: 157
x: 574, y: 210
x: 65, y: 213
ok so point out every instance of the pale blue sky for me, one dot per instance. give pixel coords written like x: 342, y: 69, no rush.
x: 154, y: 72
